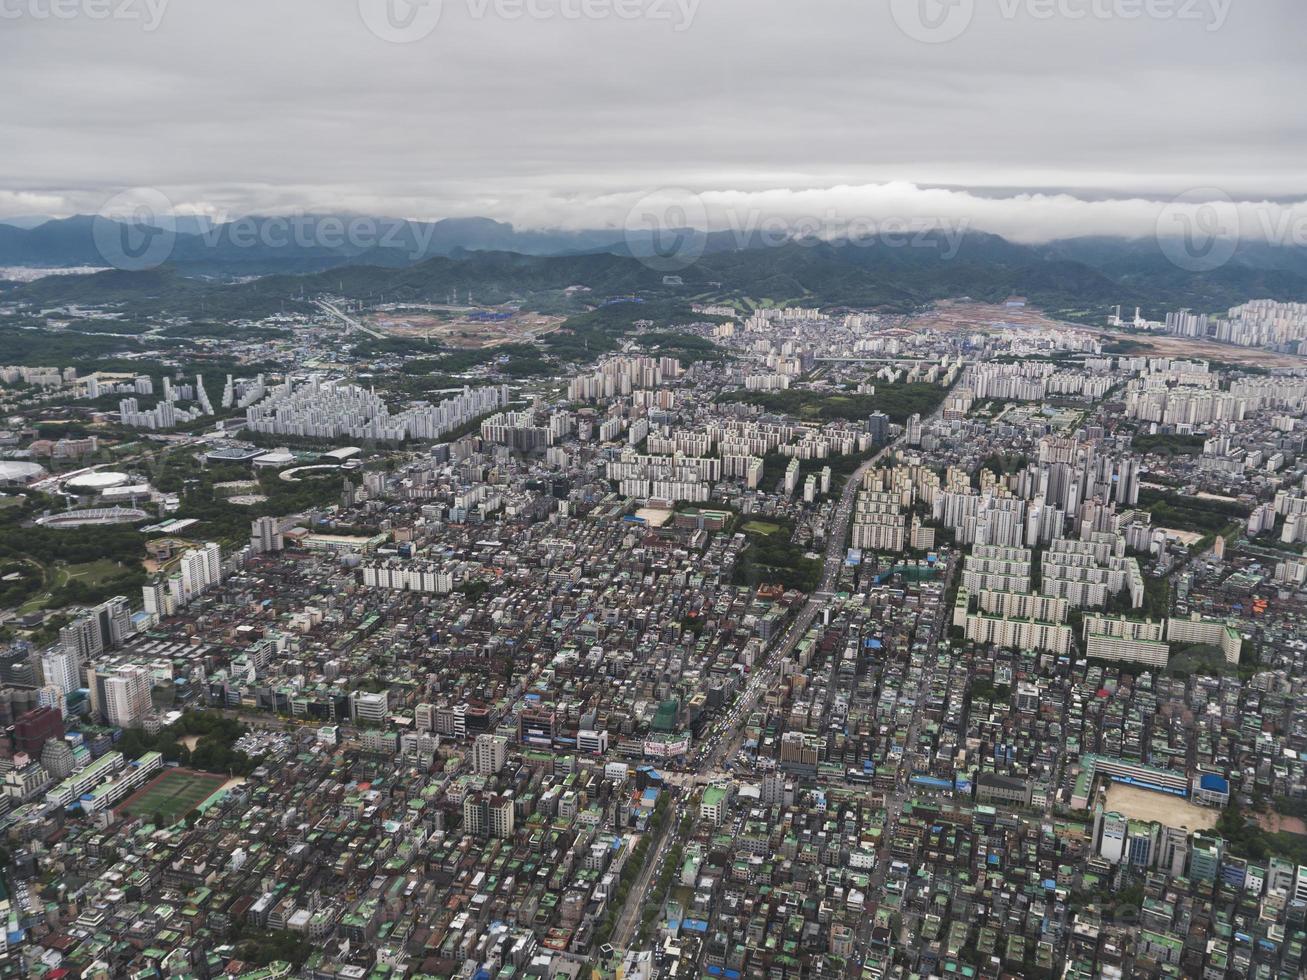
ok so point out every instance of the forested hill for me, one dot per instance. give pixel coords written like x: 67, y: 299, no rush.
x: 897, y: 275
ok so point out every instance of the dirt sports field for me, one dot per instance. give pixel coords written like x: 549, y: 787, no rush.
x: 1142, y: 804
x: 174, y: 793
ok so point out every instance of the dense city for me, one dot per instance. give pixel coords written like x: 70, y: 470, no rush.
x: 773, y: 642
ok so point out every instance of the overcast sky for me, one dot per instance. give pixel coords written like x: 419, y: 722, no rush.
x: 863, y: 108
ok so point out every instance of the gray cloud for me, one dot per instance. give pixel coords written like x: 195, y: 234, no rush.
x: 250, y: 106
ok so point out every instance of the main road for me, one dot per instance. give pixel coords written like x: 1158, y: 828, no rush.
x: 350, y: 323
x: 729, y: 731
x: 896, y: 800
x: 624, y: 931
x: 726, y: 736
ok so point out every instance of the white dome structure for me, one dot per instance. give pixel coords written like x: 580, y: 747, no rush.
x: 96, y: 482
x: 17, y: 471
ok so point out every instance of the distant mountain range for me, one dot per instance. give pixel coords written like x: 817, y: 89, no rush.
x: 413, y: 261
x: 262, y: 245
x: 25, y: 220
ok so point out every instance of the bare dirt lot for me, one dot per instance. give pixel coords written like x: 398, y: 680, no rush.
x: 1275, y: 822
x: 465, y: 328
x: 1166, y: 346
x: 955, y: 317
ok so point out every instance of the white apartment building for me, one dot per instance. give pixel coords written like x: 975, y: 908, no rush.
x: 489, y: 754
x: 1126, y: 640
x: 1019, y: 634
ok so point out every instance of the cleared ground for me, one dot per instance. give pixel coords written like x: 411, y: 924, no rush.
x: 1143, y: 804
x: 465, y: 329
x: 954, y: 317
x: 1276, y: 822
x: 1164, y: 345
x: 173, y: 793
x: 1186, y: 538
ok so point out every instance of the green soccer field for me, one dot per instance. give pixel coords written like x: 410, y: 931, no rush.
x: 174, y: 793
